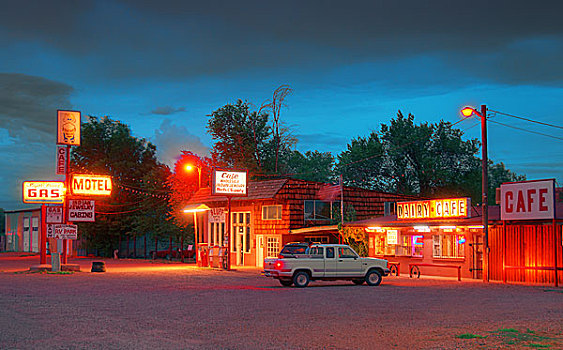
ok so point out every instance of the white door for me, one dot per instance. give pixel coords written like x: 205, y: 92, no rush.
x: 260, y: 251
x: 35, y: 235
x: 348, y: 263
x: 25, y: 235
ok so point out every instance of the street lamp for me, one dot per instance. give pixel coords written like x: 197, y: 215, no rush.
x: 190, y: 167
x: 468, y: 112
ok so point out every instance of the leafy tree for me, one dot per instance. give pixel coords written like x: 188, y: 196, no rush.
x: 498, y: 174
x: 431, y: 160
x: 2, y: 221
x: 311, y: 166
x: 245, y: 140
x: 278, y: 131
x: 362, y: 163
x: 242, y: 136
x: 138, y: 204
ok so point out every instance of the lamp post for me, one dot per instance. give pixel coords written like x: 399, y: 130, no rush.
x: 468, y: 112
x: 196, y: 209
x: 190, y: 167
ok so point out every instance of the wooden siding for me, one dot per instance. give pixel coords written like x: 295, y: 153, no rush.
x: 366, y: 203
x: 527, y: 246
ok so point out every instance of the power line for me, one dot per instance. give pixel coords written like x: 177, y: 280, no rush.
x: 526, y: 119
x: 526, y: 130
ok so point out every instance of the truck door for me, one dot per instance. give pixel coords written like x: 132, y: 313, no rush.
x: 348, y: 263
x: 330, y: 262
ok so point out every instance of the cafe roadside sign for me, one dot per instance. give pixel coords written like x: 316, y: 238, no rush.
x: 230, y: 183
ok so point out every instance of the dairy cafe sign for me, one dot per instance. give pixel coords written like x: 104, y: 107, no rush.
x: 81, y: 210
x: 229, y: 183
x: 527, y: 200
x: 91, y: 185
x: 434, y: 209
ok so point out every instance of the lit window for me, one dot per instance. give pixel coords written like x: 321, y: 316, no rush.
x: 272, y: 247
x: 448, y: 246
x: 271, y: 212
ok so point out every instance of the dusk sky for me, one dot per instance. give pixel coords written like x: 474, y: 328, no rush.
x: 163, y: 66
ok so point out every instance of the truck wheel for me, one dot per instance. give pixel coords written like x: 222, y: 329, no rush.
x: 358, y: 282
x: 301, y: 279
x: 286, y: 283
x: 373, y: 278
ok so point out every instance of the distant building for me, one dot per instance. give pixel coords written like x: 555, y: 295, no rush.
x: 22, y: 230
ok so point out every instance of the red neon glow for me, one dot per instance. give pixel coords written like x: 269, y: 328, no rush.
x: 417, y: 240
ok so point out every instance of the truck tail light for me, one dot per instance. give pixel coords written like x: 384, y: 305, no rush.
x: 278, y: 265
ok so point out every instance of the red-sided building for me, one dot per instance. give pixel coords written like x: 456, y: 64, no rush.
x: 276, y: 212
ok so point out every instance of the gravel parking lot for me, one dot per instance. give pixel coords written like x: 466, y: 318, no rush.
x: 139, y: 304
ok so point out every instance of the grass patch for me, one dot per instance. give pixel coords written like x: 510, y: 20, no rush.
x: 469, y: 336
x: 529, y: 338
x: 515, y: 339
x: 60, y: 272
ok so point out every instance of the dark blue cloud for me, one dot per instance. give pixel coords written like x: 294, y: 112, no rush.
x: 167, y: 110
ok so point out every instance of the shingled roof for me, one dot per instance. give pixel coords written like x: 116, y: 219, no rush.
x: 256, y: 190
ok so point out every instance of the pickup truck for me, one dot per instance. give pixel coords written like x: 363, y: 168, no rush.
x: 326, y: 262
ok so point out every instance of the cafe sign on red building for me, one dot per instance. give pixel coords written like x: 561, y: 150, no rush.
x: 230, y: 183
x: 434, y: 209
x: 527, y: 200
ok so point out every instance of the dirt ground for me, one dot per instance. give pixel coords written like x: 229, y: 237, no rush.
x: 140, y: 304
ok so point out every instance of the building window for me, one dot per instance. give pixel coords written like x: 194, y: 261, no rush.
x: 448, y: 246
x: 217, y: 233
x: 271, y: 212
x: 318, y: 210
x: 317, y: 239
x: 272, y: 247
x: 407, y: 245
x: 240, y: 232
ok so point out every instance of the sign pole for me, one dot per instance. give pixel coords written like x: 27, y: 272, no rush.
x: 485, y: 190
x: 65, y: 211
x: 43, y: 237
x: 229, y: 235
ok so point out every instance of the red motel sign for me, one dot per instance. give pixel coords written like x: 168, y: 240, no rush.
x: 90, y: 185
x: 434, y: 209
x: 43, y: 192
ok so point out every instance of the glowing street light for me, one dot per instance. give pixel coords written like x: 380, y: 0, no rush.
x: 190, y: 167
x: 468, y: 112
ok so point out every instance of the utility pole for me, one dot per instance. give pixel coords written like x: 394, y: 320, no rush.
x: 485, y: 190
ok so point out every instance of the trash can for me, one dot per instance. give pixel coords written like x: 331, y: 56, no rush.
x: 55, y: 262
x: 98, y: 266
